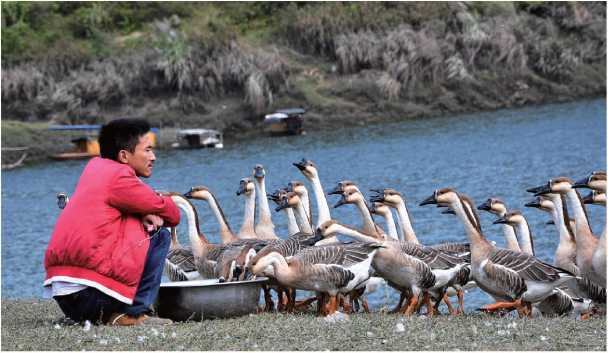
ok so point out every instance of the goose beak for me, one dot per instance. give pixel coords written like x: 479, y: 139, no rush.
x: 377, y: 198
x: 300, y: 165
x: 336, y: 191
x: 448, y: 211
x: 535, y: 189
x: 258, y: 172
x: 486, y: 206
x: 188, y: 194
x: 550, y: 222
x: 340, y: 202
x: 284, y: 204
x: 501, y: 220
x: 581, y: 183
x: 542, y: 190
x: 431, y: 200
x: 535, y: 203
x: 588, y: 199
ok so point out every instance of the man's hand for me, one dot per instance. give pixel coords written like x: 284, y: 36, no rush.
x: 152, y: 222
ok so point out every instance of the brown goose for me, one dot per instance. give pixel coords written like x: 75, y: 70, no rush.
x: 352, y: 195
x: 309, y: 170
x: 565, y: 255
x: 328, y: 269
x: 264, y: 229
x: 516, y: 278
x: 497, y: 207
x: 410, y: 268
x: 203, y: 193
x: 586, y: 242
x: 212, y: 261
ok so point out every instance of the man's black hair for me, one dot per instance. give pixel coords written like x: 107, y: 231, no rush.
x: 121, y: 134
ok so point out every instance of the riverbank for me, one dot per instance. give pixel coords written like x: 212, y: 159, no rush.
x: 223, y: 66
x: 29, y: 325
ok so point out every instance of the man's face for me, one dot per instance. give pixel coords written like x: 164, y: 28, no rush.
x: 142, y: 159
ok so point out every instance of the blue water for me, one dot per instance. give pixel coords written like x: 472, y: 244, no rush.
x: 494, y: 154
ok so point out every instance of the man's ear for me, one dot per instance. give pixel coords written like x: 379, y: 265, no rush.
x: 123, y: 156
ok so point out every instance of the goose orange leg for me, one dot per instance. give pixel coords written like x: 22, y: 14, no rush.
x: 413, y: 302
x: 501, y: 306
x: 447, y: 302
x: 429, y: 305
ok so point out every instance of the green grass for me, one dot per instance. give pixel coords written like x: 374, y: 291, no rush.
x: 28, y: 325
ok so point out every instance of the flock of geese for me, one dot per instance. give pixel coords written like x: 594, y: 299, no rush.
x: 312, y: 258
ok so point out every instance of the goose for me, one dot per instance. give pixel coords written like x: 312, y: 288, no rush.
x: 369, y: 226
x: 179, y: 264
x: 62, y: 199
x: 247, y: 188
x: 565, y: 254
x: 286, y: 248
x: 330, y: 269
x: 497, y: 207
x: 595, y: 198
x: 586, y: 242
x: 384, y: 211
x: 516, y: 219
x: 410, y: 268
x: 292, y: 200
x: 203, y: 193
x: 516, y: 278
x: 264, y: 229
x: 299, y: 188
x: 212, y: 260
x: 292, y: 225
x: 560, y: 302
x: 310, y: 172
x: 392, y: 198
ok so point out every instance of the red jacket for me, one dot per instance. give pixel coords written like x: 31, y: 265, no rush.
x: 99, y: 239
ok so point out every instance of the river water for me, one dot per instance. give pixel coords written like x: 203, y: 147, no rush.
x: 493, y: 154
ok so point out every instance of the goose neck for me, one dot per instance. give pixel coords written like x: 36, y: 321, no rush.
x: 225, y: 232
x: 265, y: 215
x: 292, y: 225
x: 249, y: 216
x: 322, y: 206
x: 510, y: 238
x: 301, y: 219
x: 405, y: 223
x: 525, y: 237
x: 582, y: 228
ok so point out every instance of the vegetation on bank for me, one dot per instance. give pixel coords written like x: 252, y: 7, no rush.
x: 223, y: 65
x: 28, y: 325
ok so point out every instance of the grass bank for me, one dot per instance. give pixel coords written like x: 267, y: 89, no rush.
x: 28, y: 325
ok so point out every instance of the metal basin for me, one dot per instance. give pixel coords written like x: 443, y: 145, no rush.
x: 208, y: 299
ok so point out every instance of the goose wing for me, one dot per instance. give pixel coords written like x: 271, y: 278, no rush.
x: 436, y: 259
x: 182, y: 258
x: 592, y: 290
x: 339, y: 254
x: 507, y: 280
x: 459, y: 249
x: 527, y: 266
x: 337, y: 275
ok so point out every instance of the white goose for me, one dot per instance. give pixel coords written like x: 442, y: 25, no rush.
x: 264, y: 229
x: 203, y: 193
x: 299, y: 188
x: 292, y: 225
x: 247, y: 189
x: 309, y: 170
x: 518, y: 279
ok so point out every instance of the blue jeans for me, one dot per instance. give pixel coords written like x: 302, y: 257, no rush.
x: 95, y: 306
